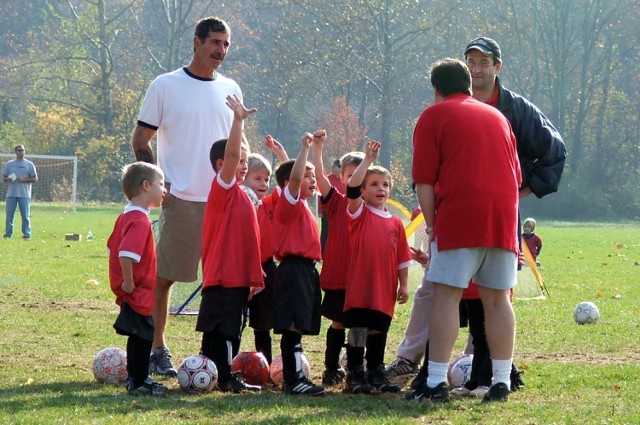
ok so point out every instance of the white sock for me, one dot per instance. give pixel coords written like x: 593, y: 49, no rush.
x: 437, y: 373
x: 501, y: 371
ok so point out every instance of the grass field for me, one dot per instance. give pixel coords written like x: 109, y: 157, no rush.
x: 52, y: 323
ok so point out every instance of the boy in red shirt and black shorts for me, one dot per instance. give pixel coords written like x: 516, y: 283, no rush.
x: 378, y: 275
x: 132, y: 272
x: 296, y: 292
x: 230, y: 232
x: 335, y: 258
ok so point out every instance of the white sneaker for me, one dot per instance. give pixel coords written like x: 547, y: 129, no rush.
x: 479, y: 392
x: 461, y: 392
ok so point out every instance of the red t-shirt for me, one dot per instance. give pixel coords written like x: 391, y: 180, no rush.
x: 335, y: 262
x: 534, y: 243
x: 295, y: 229
x: 335, y: 182
x: 469, y: 149
x: 266, y: 210
x: 379, y: 248
x: 132, y: 237
x: 230, y: 238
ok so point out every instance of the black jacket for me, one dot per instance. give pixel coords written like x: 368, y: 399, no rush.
x: 541, y: 149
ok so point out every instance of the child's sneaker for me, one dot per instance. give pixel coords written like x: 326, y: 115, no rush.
x: 331, y: 377
x: 479, y: 392
x: 380, y: 382
x: 497, y: 392
x: 148, y: 388
x: 461, y: 392
x: 160, y: 362
x: 235, y: 384
x: 357, y: 383
x: 400, y: 367
x: 303, y: 386
x: 439, y: 394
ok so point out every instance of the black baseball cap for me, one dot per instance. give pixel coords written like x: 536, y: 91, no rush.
x: 486, y: 45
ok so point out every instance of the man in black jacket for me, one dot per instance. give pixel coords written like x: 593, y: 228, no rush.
x: 542, y: 154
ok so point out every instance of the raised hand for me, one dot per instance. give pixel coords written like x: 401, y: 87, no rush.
x: 306, y: 140
x: 319, y: 137
x: 372, y: 150
x: 239, y: 110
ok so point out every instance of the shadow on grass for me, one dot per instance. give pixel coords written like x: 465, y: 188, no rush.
x: 96, y: 402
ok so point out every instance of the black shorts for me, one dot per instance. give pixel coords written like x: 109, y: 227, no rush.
x: 130, y: 323
x: 333, y: 304
x: 297, y: 296
x: 367, y: 318
x: 261, y: 304
x: 223, y: 310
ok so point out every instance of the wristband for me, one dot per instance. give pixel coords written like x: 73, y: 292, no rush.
x: 353, y: 192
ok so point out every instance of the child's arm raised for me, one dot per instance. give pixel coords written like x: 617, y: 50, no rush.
x: 276, y: 147
x: 300, y: 165
x: 319, y: 138
x: 233, y: 150
x: 370, y: 155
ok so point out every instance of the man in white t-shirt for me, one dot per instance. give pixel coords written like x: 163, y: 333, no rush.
x: 186, y: 110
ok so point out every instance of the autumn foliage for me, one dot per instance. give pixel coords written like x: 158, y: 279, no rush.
x: 344, y: 131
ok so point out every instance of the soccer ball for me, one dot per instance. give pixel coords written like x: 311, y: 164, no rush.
x: 275, y: 371
x: 110, y: 366
x: 586, y: 312
x: 197, y: 374
x: 252, y: 366
x: 344, y: 361
x: 460, y: 370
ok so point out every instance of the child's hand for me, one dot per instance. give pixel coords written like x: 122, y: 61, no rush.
x: 372, y: 150
x: 420, y: 256
x: 127, y: 287
x: 320, y: 137
x: 403, y: 295
x: 272, y: 144
x: 239, y: 111
x: 306, y: 140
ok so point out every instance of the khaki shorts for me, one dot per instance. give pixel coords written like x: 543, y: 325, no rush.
x: 493, y: 268
x: 179, y: 244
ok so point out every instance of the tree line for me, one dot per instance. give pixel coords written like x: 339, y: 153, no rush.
x: 73, y: 74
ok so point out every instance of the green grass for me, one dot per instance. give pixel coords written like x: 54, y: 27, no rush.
x: 52, y: 323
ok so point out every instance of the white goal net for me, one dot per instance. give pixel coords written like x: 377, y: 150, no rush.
x: 57, y: 178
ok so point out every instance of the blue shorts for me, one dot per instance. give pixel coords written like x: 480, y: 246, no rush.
x: 492, y: 268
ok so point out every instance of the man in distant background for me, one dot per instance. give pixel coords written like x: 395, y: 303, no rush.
x: 19, y: 173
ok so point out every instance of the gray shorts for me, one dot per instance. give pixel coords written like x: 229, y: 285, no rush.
x: 179, y: 243
x: 493, y: 268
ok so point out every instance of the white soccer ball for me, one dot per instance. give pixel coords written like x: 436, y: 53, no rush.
x: 110, y: 366
x: 197, y: 374
x: 460, y: 370
x: 275, y: 369
x: 586, y: 312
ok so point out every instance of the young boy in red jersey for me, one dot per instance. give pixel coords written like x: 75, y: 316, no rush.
x: 335, y: 260
x: 260, y: 304
x: 132, y: 272
x: 296, y: 294
x: 378, y: 275
x: 230, y: 232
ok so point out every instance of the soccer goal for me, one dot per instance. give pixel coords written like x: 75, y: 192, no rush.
x: 57, y: 178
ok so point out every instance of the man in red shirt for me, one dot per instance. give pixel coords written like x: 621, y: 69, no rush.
x: 469, y: 150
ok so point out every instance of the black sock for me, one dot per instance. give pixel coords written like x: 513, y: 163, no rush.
x: 138, y: 352
x: 290, y: 346
x: 424, y: 370
x: 376, y: 344
x: 335, y: 341
x: 218, y: 348
x: 263, y: 343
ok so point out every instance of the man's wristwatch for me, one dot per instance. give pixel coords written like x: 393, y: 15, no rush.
x: 429, y: 230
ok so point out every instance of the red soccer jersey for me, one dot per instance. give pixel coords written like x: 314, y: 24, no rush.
x: 295, y: 229
x: 266, y: 209
x: 132, y: 237
x: 534, y: 243
x: 477, y: 168
x: 230, y: 238
x: 379, y: 248
x: 335, y: 263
